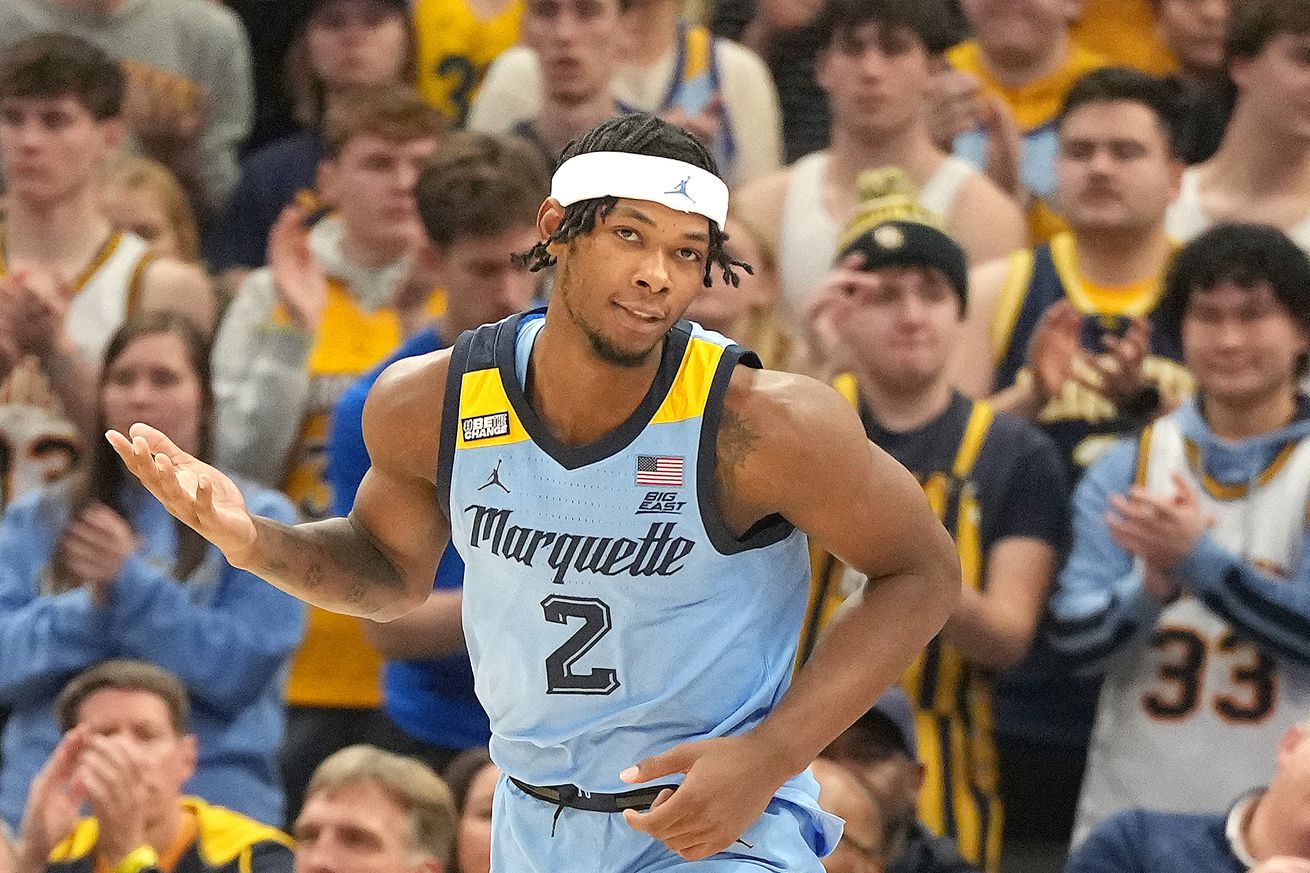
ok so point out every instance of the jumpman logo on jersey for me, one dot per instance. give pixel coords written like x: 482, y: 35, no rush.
x: 681, y: 188
x: 494, y: 479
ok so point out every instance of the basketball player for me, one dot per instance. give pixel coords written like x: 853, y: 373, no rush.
x: 994, y: 480
x: 877, y: 66
x: 67, y: 278
x: 637, y: 561
x: 1188, y: 580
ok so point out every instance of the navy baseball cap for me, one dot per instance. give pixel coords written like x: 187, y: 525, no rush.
x: 892, y: 720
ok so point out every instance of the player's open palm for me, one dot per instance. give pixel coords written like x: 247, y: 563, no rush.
x: 193, y: 491
x: 728, y: 784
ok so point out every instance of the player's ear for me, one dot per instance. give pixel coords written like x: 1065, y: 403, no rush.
x: 549, y: 218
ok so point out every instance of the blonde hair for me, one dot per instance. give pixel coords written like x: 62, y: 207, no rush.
x: 143, y: 174
x: 766, y: 333
x: 413, y: 785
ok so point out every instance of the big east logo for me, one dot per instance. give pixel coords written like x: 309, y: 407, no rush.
x: 661, y: 503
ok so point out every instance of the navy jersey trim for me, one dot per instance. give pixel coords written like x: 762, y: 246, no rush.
x: 459, y: 356
x: 575, y: 457
x: 768, y: 530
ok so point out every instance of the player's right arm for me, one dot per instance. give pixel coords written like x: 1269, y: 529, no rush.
x: 379, y: 562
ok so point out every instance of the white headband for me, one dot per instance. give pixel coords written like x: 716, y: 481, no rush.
x: 675, y: 184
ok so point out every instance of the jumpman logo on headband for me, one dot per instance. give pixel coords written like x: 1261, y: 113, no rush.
x: 494, y: 479
x: 681, y: 188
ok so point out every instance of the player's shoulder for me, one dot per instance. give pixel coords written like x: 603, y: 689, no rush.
x: 404, y: 411
x: 788, y: 411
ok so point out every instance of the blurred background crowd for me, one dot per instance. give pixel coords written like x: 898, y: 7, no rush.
x: 1053, y: 251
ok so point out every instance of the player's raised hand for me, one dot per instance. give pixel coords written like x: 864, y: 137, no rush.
x: 728, y: 783
x: 193, y: 491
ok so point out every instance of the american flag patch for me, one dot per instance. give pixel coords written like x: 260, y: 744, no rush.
x: 659, y: 470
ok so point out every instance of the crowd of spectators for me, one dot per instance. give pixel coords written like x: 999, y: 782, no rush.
x: 1056, y: 254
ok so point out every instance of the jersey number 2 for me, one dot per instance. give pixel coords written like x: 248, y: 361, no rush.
x: 595, y: 617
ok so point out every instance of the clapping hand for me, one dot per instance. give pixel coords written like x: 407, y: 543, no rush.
x: 299, y: 281
x: 93, y: 549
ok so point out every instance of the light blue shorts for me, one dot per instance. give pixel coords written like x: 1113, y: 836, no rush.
x: 786, y: 838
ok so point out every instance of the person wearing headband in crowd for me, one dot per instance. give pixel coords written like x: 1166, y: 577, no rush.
x: 631, y: 496
x: 888, y: 318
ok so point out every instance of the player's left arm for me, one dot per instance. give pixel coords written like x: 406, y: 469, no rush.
x: 858, y: 503
x: 792, y: 446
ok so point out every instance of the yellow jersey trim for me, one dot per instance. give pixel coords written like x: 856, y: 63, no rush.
x: 482, y: 393
x: 1220, y: 491
x: 1010, y: 303
x: 690, y: 391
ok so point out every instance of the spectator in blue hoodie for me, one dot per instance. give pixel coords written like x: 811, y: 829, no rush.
x: 94, y: 568
x: 478, y: 200
x: 1189, y: 580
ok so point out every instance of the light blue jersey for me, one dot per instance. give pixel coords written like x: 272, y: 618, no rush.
x: 610, y: 613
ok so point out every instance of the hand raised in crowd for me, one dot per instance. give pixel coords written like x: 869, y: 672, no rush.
x: 704, y: 125
x: 1159, y: 529
x: 193, y: 491
x: 299, y: 281
x: 827, y: 308
x: 53, y: 802
x: 1119, y: 370
x: 728, y: 784
x: 114, y: 789
x: 953, y: 105
x: 94, y: 548
x: 1004, y: 146
x: 1055, y: 349
x: 165, y: 112
x: 33, y: 305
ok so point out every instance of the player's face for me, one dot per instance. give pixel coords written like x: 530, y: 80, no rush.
x: 627, y: 282
x: 152, y: 381
x: 52, y: 147
x: 473, y: 834
x: 877, y: 78
x: 138, y: 211
x: 904, y: 327
x: 371, y: 185
x: 575, y: 42
x: 357, y: 42
x: 482, y: 283
x: 724, y: 308
x: 1275, y: 85
x: 357, y: 828
x: 1241, y: 344
x: 1194, y: 31
x: 1019, y: 27
x: 1114, y: 170
x: 140, y: 721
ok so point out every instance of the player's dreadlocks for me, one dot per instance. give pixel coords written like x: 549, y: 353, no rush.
x: 638, y: 133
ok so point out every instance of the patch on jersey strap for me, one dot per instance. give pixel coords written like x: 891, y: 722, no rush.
x: 484, y: 427
x: 659, y: 470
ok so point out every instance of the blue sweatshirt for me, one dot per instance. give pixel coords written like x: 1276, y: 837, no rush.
x: 1144, y: 841
x: 1100, y: 609
x: 432, y: 700
x: 225, y: 633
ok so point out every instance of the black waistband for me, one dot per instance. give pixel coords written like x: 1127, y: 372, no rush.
x: 575, y: 798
